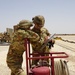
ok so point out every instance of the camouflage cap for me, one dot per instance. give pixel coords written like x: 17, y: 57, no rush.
x: 25, y: 24
x: 39, y: 19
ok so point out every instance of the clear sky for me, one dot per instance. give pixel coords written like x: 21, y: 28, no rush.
x: 59, y: 14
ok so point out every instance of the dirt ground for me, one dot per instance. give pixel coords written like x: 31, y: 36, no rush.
x: 4, y: 70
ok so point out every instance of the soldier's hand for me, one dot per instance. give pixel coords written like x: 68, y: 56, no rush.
x: 46, y: 38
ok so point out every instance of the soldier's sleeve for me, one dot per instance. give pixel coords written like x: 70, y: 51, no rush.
x: 45, y: 31
x: 32, y: 36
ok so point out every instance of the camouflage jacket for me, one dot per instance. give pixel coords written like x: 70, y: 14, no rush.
x: 20, y: 35
x: 17, y: 44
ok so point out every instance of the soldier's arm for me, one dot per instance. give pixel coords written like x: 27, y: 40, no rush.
x: 32, y: 36
x: 44, y: 30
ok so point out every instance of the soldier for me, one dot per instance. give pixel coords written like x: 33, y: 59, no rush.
x: 16, y: 48
x: 39, y: 22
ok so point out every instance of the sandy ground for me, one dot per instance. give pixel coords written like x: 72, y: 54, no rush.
x: 71, y: 53
x: 4, y: 70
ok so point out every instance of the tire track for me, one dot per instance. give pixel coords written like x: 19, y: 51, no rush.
x: 65, y: 46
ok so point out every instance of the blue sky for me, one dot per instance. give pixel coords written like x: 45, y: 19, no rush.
x: 59, y: 14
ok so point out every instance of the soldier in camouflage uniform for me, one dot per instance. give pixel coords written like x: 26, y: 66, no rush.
x: 16, y: 48
x: 43, y: 33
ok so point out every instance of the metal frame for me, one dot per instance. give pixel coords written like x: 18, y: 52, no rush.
x: 52, y: 57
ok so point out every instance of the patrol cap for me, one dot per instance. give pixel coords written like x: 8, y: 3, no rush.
x: 39, y: 19
x: 25, y: 24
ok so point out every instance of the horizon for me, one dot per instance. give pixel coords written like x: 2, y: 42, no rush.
x: 59, y: 14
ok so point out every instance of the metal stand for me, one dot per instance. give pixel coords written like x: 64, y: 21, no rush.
x: 52, y: 56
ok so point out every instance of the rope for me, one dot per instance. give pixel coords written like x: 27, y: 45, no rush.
x: 60, y: 67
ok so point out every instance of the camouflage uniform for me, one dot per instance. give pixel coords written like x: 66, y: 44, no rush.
x: 43, y: 33
x: 16, y: 49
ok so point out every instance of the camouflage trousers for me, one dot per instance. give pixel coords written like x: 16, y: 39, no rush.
x: 20, y: 72
x: 34, y: 62
x: 14, y: 62
x: 16, y: 69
